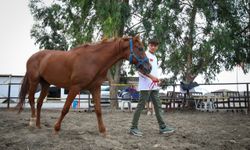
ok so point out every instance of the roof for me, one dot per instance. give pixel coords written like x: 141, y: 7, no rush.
x: 7, y: 75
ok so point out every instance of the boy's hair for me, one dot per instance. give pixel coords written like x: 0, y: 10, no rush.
x: 153, y: 41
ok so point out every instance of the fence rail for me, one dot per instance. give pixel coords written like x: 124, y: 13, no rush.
x: 171, y: 99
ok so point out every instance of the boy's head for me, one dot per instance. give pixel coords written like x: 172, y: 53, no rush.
x: 153, y: 45
x: 153, y: 41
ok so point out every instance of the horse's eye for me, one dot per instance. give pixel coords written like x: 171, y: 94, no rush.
x: 140, y: 49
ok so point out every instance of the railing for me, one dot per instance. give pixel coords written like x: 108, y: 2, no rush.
x: 7, y: 96
x: 229, y: 100
x: 171, y: 98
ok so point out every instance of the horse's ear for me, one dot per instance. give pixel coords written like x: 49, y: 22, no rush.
x: 137, y: 36
x: 125, y: 37
x: 104, y: 40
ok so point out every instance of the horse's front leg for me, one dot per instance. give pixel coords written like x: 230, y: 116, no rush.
x: 96, y: 96
x: 72, y: 94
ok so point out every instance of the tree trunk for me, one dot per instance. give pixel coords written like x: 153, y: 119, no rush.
x: 114, y: 73
x: 114, y: 78
x: 189, y: 74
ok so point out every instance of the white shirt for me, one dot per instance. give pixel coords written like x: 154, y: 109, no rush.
x: 145, y: 83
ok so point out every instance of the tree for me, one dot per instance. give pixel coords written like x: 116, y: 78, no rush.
x: 69, y: 23
x: 112, y: 16
x: 235, y: 16
x: 196, y: 37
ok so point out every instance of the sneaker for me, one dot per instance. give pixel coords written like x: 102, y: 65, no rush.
x: 166, y: 130
x: 149, y: 113
x: 135, y: 131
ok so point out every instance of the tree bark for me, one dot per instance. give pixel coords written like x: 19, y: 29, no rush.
x: 114, y: 73
x: 189, y: 76
x: 114, y: 78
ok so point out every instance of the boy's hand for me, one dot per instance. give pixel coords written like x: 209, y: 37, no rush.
x: 154, y: 79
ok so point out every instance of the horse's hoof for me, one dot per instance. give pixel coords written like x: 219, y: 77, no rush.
x: 32, y: 122
x: 55, y: 132
x: 57, y: 128
x: 103, y: 134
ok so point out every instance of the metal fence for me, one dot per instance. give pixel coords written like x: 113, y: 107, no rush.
x: 171, y: 98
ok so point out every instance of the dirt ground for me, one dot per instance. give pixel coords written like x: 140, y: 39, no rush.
x: 194, y: 130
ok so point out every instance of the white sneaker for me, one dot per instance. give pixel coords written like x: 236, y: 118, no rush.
x: 149, y: 113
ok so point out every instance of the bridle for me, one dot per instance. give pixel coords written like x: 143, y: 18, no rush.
x: 132, y: 54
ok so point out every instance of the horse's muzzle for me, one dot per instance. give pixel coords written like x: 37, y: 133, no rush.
x: 145, y: 68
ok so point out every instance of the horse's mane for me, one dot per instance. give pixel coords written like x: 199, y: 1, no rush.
x: 103, y: 41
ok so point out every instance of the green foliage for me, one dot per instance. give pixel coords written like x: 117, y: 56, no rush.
x: 196, y: 36
x: 49, y: 32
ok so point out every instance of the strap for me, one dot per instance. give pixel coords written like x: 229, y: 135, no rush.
x: 132, y: 54
x: 131, y: 50
x: 151, y: 86
x: 131, y: 45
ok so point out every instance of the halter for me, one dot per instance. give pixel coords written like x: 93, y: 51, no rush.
x: 132, y: 54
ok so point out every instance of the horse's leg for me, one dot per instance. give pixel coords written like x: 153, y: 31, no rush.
x: 31, y: 97
x: 96, y: 96
x: 72, y: 94
x: 43, y: 94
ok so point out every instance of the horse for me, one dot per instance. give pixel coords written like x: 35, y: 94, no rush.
x: 82, y: 68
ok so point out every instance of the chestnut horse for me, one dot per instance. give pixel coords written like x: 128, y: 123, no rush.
x: 82, y: 68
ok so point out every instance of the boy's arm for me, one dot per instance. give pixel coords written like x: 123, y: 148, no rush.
x: 153, y: 78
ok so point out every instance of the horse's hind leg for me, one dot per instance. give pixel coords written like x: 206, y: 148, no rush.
x: 32, y: 90
x: 43, y: 94
x: 72, y: 94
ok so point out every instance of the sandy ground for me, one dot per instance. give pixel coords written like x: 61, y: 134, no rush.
x: 195, y: 130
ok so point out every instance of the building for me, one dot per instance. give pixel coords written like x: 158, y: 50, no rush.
x: 10, y: 86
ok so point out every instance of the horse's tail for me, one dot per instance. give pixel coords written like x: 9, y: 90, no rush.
x: 23, y: 92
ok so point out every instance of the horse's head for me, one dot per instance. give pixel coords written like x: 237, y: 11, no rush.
x: 137, y: 55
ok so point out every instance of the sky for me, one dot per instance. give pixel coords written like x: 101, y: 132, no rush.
x: 17, y: 45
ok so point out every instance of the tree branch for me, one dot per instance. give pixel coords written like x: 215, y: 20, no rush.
x: 139, y: 32
x: 133, y: 26
x: 188, y: 4
x: 243, y: 30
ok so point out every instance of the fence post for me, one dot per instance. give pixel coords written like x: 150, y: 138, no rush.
x: 89, y: 109
x: 79, y: 101
x: 8, y: 99
x: 9, y: 89
x: 248, y: 97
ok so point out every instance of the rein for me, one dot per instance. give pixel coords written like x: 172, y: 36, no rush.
x: 132, y: 54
